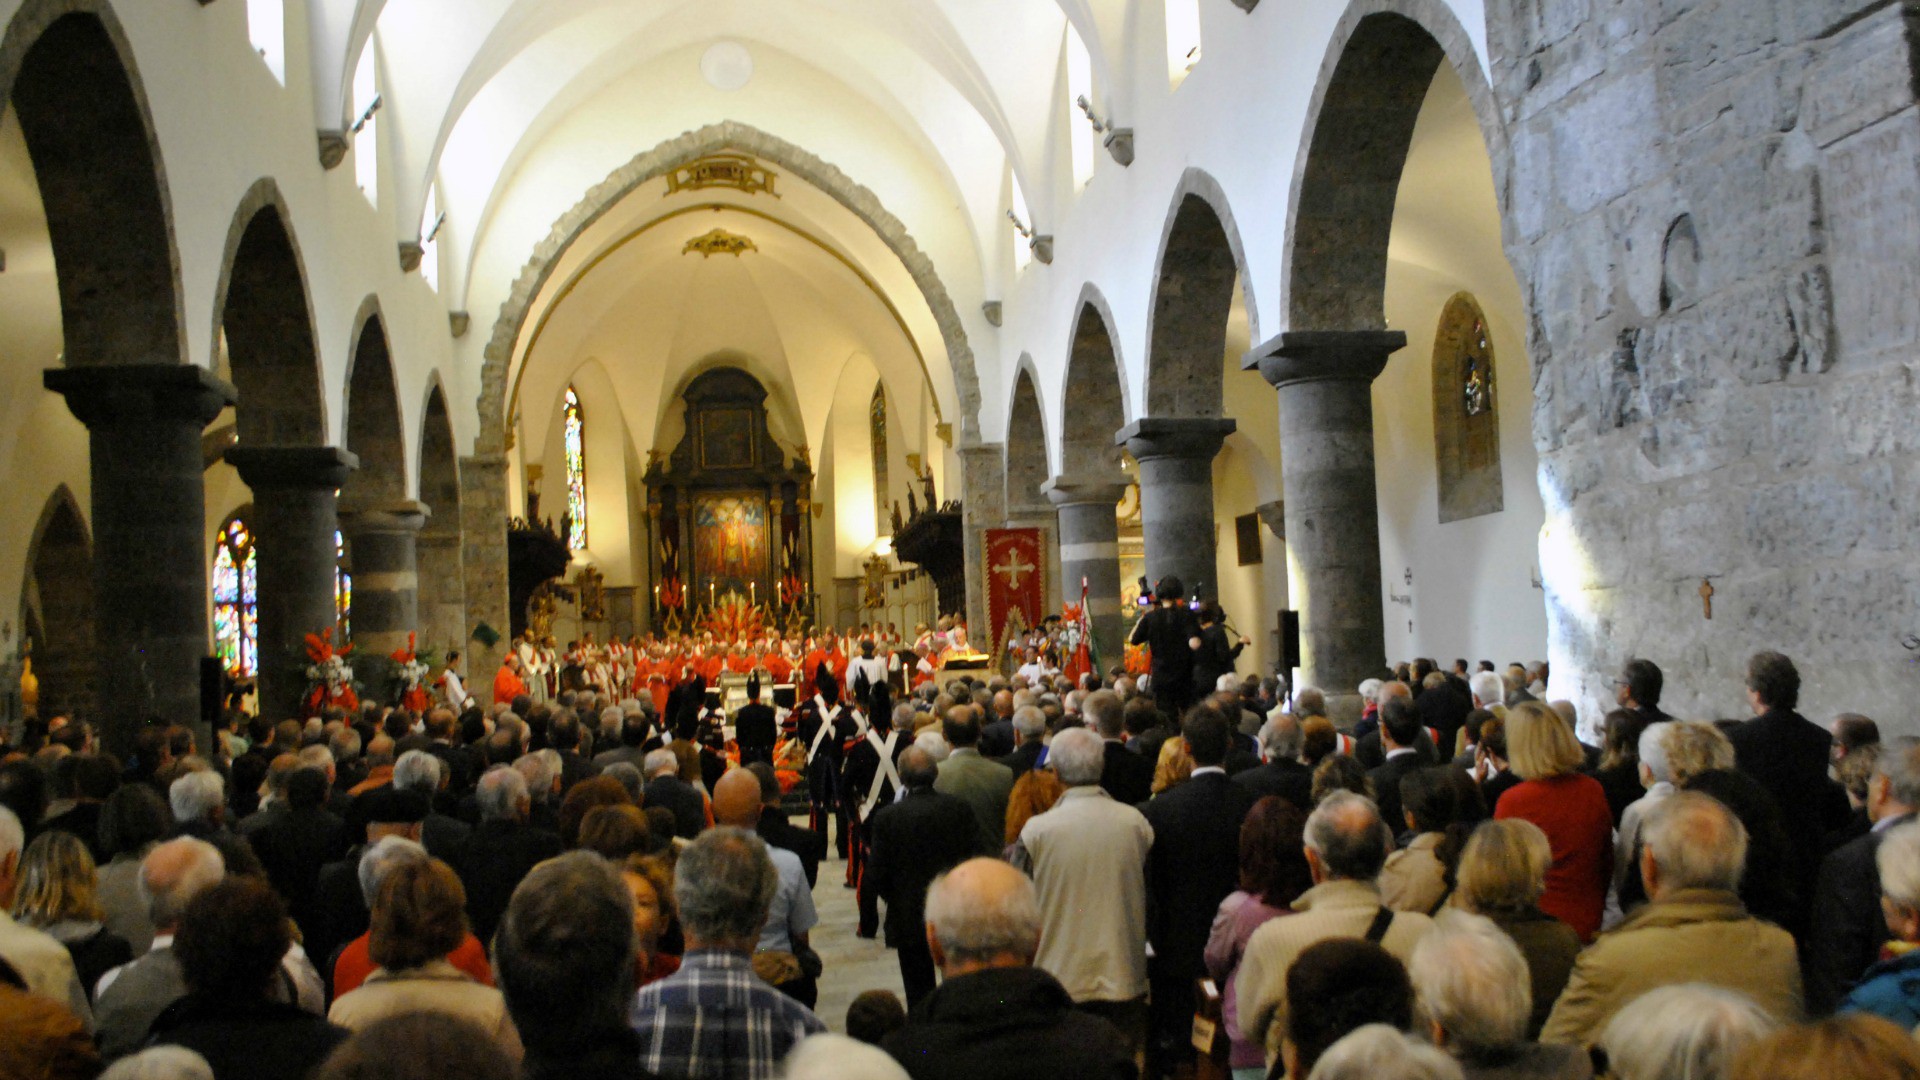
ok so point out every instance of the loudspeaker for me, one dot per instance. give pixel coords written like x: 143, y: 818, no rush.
x: 1289, y: 640
x: 213, y: 690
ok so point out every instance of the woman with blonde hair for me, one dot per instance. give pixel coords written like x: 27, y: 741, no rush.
x: 419, y: 916
x: 650, y: 879
x: 56, y: 895
x: 1502, y: 875
x: 1568, y: 806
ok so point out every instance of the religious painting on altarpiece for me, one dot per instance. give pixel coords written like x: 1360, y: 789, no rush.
x: 730, y: 547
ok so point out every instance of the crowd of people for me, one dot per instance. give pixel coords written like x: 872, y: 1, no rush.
x: 1108, y: 876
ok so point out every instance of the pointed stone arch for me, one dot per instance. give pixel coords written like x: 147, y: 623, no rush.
x: 1026, y: 443
x: 69, y: 70
x: 1093, y: 397
x: 374, y: 430
x: 1379, y: 65
x: 1201, y: 258
x: 57, y: 607
x: 264, y: 306
x: 730, y: 135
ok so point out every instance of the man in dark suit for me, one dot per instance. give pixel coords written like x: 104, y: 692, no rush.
x: 501, y: 850
x: 1847, y: 927
x: 779, y: 832
x: 1443, y: 709
x: 1191, y: 867
x: 635, y: 730
x: 1788, y: 755
x: 1400, y: 739
x: 338, y: 896
x: 441, y: 834
x: 1030, y: 724
x: 665, y: 788
x: 914, y: 841
x: 755, y: 728
x: 1128, y: 776
x: 1283, y: 774
x: 563, y: 734
x: 997, y: 736
x: 295, y: 845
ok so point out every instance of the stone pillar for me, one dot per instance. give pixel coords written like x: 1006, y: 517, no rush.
x: 1090, y: 549
x: 1176, y: 495
x: 382, y: 548
x: 983, y: 501
x: 483, y: 560
x: 149, y: 536
x: 294, y: 519
x: 1325, y: 384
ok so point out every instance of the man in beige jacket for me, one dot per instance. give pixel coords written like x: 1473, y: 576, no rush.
x: 1346, y: 845
x: 1695, y: 930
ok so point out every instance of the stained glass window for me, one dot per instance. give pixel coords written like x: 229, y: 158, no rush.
x: 236, y: 633
x: 342, y: 588
x: 877, y: 429
x: 576, y: 471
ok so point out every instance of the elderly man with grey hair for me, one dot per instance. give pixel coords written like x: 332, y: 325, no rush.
x: 1848, y: 926
x: 1283, y: 774
x: 129, y: 998
x: 1693, y: 929
x: 1690, y: 1030
x: 996, y: 1014
x: 715, y: 1019
x: 1380, y: 1052
x: 1476, y: 996
x: 443, y: 834
x: 1030, y: 727
x: 1346, y: 846
x: 1089, y: 856
x: 502, y: 848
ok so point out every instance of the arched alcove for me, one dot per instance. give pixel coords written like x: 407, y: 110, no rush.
x: 56, y: 607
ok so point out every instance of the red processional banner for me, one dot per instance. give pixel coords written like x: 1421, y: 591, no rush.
x: 1016, y: 582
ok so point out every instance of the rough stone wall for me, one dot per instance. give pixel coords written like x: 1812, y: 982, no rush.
x: 1715, y: 213
x: 483, y: 561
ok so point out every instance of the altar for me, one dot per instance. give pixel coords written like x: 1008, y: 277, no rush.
x: 727, y: 512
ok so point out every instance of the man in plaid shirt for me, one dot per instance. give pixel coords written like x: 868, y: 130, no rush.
x: 715, y: 1019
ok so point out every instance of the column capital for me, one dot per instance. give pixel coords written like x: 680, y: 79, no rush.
x: 1175, y: 436
x: 1085, y: 488
x: 1298, y: 356
x: 393, y: 516
x: 112, y: 393
x: 293, y: 466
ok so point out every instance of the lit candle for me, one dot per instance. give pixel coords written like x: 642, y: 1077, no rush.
x: 753, y: 592
x: 709, y: 594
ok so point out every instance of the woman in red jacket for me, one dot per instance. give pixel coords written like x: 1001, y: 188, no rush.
x: 1570, y: 807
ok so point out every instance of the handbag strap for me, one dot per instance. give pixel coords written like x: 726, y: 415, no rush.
x: 1382, y: 921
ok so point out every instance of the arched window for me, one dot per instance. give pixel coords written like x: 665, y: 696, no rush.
x: 366, y: 125
x: 236, y: 630
x: 267, y: 30
x: 1183, y: 39
x: 576, y: 450
x: 342, y: 589
x: 877, y: 434
x: 1466, y: 417
x: 1079, y: 86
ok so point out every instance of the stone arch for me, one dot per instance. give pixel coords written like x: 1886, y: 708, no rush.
x: 374, y: 428
x: 442, y: 590
x: 1093, y: 401
x: 56, y: 606
x: 1026, y: 444
x: 1201, y: 257
x: 1373, y: 81
x: 729, y: 135
x: 267, y: 312
x: 69, y: 70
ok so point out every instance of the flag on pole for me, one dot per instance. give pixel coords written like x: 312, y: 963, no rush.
x: 1086, y: 651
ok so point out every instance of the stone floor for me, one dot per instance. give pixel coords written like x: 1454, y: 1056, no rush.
x: 851, y: 965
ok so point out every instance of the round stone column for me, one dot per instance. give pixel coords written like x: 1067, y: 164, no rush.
x: 1176, y: 495
x: 1090, y: 550
x: 149, y: 528
x: 1325, y: 382
x: 383, y: 550
x: 295, y: 516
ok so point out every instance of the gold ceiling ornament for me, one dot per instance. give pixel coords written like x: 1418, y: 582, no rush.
x: 719, y: 242
x: 738, y: 171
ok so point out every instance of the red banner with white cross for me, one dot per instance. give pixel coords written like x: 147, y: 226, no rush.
x: 1016, y: 583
